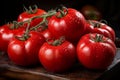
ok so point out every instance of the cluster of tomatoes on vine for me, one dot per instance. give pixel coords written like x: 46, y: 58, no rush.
x: 57, y: 39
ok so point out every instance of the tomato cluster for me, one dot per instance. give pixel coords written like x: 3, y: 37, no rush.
x: 57, y: 39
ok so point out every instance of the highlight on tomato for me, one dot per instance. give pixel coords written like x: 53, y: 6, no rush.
x: 24, y: 50
x: 67, y: 22
x: 33, y: 11
x: 7, y: 32
x: 57, y: 55
x: 93, y: 26
x: 95, y: 51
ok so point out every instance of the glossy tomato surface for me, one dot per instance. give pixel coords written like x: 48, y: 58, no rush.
x: 57, y: 58
x: 94, y: 26
x: 7, y: 33
x: 26, y: 16
x: 25, y: 52
x: 71, y: 25
x: 95, y: 52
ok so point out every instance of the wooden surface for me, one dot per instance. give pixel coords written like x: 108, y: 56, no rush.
x: 10, y: 71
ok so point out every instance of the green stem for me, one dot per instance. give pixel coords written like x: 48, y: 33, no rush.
x: 14, y: 25
x: 25, y: 36
x: 63, y: 12
x: 98, y: 38
x: 95, y: 24
x: 31, y: 10
x: 44, y: 16
x: 57, y: 41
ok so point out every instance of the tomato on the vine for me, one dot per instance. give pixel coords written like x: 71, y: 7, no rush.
x: 7, y: 32
x: 95, y: 51
x: 57, y: 56
x: 24, y: 50
x: 69, y: 23
x: 26, y: 15
x: 93, y: 26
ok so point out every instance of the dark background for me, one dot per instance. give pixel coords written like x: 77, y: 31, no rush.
x: 10, y: 9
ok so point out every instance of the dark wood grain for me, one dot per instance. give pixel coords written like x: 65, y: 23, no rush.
x: 8, y: 70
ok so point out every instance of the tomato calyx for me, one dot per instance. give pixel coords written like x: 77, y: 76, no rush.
x: 94, y: 24
x: 62, y: 12
x: 97, y: 38
x: 23, y: 38
x: 57, y: 41
x: 97, y: 24
x: 31, y: 10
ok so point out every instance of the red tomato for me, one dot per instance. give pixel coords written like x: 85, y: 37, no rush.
x: 27, y: 15
x: 95, y: 51
x: 94, y: 26
x: 57, y: 58
x: 25, y: 52
x: 43, y: 29
x: 91, y: 12
x: 71, y: 25
x: 6, y: 34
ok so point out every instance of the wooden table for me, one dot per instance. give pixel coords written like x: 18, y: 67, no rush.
x: 10, y: 71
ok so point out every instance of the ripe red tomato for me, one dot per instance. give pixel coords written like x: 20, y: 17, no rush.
x: 25, y: 52
x: 6, y: 34
x: 71, y: 24
x: 57, y: 58
x: 90, y: 12
x: 27, y: 15
x: 95, y: 51
x: 94, y: 26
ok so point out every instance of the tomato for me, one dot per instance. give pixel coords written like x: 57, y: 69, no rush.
x: 31, y: 13
x: 69, y: 23
x: 90, y: 12
x: 25, y: 52
x: 94, y: 26
x: 57, y: 58
x: 6, y: 34
x: 95, y: 51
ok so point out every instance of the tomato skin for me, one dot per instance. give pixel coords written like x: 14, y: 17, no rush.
x: 57, y: 58
x: 95, y: 55
x: 47, y: 34
x: 6, y: 34
x: 72, y: 25
x: 26, y: 16
x: 25, y: 53
x: 102, y: 28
